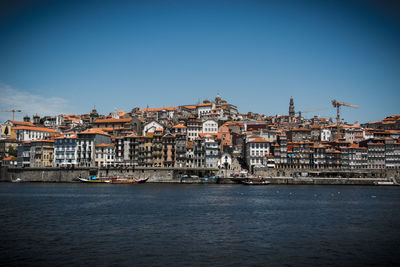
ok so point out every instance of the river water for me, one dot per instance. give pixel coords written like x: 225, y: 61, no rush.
x: 201, y: 225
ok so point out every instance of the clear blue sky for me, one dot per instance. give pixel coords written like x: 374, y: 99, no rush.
x: 67, y: 56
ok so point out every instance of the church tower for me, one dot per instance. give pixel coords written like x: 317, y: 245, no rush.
x: 291, y: 108
x: 93, y: 115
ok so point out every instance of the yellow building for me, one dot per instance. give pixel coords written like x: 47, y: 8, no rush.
x: 42, y: 153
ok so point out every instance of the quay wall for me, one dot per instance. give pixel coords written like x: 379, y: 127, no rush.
x: 332, y: 173
x: 156, y: 175
x: 173, y: 175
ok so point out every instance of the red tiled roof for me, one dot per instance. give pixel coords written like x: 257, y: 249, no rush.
x: 159, y: 109
x: 37, y: 129
x: 112, y: 120
x: 10, y: 158
x: 259, y: 140
x: 190, y: 107
x: 94, y: 131
x: 204, y: 104
x: 23, y: 123
x: 179, y: 126
x: 105, y: 145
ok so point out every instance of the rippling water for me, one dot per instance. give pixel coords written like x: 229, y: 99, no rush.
x: 220, y: 225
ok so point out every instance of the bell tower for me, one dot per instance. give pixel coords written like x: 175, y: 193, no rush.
x: 291, y: 108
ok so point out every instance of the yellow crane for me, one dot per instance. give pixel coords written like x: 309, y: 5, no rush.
x: 13, y: 112
x: 337, y: 105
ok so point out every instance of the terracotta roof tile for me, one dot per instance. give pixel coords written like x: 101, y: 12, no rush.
x: 38, y: 129
x: 105, y: 145
x: 112, y: 120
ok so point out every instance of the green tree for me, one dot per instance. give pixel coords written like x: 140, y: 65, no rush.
x: 12, y: 151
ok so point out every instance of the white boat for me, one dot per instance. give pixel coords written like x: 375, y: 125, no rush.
x: 18, y: 180
x: 386, y: 183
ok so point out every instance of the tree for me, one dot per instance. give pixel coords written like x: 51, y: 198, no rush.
x: 12, y: 151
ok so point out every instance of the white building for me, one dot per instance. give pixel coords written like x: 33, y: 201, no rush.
x: 256, y: 150
x: 225, y: 161
x: 179, y: 129
x: 65, y: 151
x: 87, y: 141
x: 151, y: 127
x: 194, y: 127
x: 29, y: 133
x: 211, y: 154
x: 210, y: 126
x: 105, y: 155
x: 204, y: 108
x: 326, y: 134
x: 189, y: 154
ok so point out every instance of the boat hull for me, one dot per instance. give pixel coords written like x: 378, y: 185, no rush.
x: 113, y: 180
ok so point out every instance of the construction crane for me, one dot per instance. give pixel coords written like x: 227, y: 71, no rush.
x: 337, y: 105
x: 13, y: 112
x: 311, y: 110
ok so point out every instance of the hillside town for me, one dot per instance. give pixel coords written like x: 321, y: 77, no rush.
x: 210, y: 134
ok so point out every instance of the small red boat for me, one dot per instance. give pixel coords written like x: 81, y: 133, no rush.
x: 114, y: 180
x: 127, y: 181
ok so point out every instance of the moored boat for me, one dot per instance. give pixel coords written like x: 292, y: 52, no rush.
x: 255, y: 181
x: 113, y: 180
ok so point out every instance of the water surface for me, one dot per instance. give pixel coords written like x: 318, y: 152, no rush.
x: 180, y: 225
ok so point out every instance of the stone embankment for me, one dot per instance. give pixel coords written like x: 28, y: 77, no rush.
x: 188, y: 175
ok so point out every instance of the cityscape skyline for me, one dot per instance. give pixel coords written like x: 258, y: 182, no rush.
x: 65, y: 58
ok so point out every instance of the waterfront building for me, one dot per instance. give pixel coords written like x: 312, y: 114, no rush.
x: 280, y: 152
x: 354, y: 157
x: 332, y: 158
x: 119, y: 150
x: 225, y: 161
x: 24, y: 154
x: 376, y: 154
x: 158, y: 160
x: 131, y: 150
x: 256, y: 149
x: 105, y: 155
x: 169, y: 155
x: 392, y: 153
x: 199, y: 153
x: 41, y: 153
x: 9, y: 161
x: 211, y: 153
x: 318, y: 155
x: 87, y: 141
x: 189, y: 154
x: 301, y: 156
x: 147, y: 151
x: 65, y: 150
x: 180, y: 143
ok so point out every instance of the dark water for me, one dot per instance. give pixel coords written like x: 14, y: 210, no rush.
x: 219, y: 225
